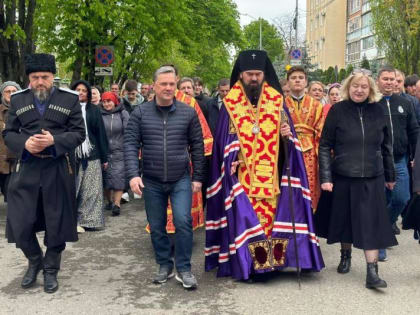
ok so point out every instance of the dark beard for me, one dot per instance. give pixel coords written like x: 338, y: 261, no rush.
x: 252, y: 92
x: 42, y: 95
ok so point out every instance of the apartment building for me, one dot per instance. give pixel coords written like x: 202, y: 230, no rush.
x: 326, y: 32
x: 360, y: 38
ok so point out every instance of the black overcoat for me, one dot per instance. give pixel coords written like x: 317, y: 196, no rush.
x: 46, y: 184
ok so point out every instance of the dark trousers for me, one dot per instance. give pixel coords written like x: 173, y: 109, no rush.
x: 52, y: 258
x: 156, y: 196
x: 32, y: 248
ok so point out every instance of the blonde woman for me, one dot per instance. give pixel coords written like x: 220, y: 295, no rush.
x: 316, y: 90
x: 360, y: 166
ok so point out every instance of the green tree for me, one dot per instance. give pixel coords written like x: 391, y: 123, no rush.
x: 349, y: 69
x: 365, y: 63
x: 195, y: 35
x: 342, y: 74
x: 397, y: 27
x: 271, y: 39
x: 329, y: 76
x: 17, y: 34
x: 316, y: 75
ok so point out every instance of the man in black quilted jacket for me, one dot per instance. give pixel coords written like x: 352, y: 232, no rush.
x: 168, y: 133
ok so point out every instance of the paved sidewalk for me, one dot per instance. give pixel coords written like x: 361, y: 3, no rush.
x: 110, y: 272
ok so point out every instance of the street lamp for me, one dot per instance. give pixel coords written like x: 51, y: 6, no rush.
x: 255, y: 19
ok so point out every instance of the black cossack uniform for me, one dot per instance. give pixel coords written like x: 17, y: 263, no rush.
x: 42, y: 188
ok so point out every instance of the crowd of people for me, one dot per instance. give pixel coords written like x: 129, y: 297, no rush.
x: 266, y: 165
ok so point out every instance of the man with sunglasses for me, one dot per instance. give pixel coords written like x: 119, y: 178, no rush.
x: 404, y: 129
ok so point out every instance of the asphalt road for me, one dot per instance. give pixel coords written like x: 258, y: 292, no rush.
x: 110, y: 272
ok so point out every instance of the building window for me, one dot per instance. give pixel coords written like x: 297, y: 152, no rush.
x: 368, y: 42
x: 353, y: 51
x: 366, y: 6
x: 354, y: 6
x: 353, y: 24
x: 367, y: 19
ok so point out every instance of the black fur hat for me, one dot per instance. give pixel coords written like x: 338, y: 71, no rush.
x: 40, y: 63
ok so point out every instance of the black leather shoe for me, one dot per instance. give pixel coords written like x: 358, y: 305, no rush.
x: 116, y: 211
x: 372, y: 279
x: 50, y: 281
x: 396, y: 229
x: 34, y: 267
x: 345, y: 262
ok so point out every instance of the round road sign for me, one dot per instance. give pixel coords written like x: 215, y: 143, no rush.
x: 104, y: 55
x: 296, y: 54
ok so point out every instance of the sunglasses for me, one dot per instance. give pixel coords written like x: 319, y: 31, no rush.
x: 363, y: 71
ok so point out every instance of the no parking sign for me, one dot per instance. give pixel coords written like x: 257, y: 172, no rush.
x: 104, y: 57
x: 296, y: 57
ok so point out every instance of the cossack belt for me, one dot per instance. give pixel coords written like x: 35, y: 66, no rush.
x: 43, y: 156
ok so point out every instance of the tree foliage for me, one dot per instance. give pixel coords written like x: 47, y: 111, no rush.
x: 16, y: 37
x: 365, y: 63
x: 329, y: 76
x: 397, y: 26
x: 342, y: 75
x: 349, y: 69
x: 271, y: 39
x: 194, y: 35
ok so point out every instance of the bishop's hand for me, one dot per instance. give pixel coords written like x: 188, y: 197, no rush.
x: 234, y: 166
x: 285, y: 130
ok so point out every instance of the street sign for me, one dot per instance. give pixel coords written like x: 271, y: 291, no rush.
x: 296, y: 54
x: 295, y: 62
x: 103, y: 71
x: 104, y: 55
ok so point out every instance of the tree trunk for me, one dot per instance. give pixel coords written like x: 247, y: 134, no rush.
x: 77, y: 71
x: 13, y: 49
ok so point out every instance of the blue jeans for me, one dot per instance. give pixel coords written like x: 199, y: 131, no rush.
x: 398, y: 197
x: 156, y: 196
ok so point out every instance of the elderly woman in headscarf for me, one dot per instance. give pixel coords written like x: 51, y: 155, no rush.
x: 115, y: 119
x: 91, y: 156
x: 7, y: 158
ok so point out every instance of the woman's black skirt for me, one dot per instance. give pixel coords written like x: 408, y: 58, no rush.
x: 355, y: 212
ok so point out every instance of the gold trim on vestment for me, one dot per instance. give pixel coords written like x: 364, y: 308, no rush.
x: 264, y: 145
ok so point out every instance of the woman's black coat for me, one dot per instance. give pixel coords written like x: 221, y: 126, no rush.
x: 358, y: 135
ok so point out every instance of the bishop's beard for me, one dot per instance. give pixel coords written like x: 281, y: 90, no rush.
x: 252, y: 91
x: 42, y: 95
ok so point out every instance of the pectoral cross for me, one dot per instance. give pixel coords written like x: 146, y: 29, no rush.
x: 253, y: 56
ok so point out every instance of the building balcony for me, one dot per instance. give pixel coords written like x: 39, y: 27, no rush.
x: 354, y: 35
x: 365, y: 7
x: 366, y: 31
